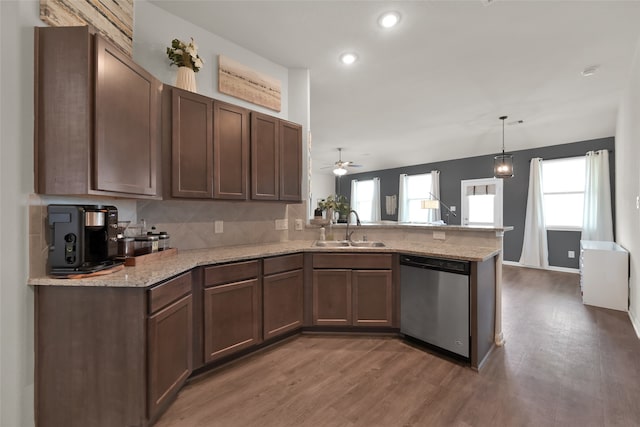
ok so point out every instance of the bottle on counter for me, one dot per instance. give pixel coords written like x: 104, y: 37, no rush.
x: 330, y: 232
x: 323, y: 236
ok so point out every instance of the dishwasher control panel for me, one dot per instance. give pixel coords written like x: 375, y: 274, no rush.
x: 450, y: 265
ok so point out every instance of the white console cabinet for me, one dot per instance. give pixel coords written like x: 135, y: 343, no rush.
x: 604, y: 274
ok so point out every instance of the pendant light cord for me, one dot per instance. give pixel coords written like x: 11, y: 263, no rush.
x: 503, y: 118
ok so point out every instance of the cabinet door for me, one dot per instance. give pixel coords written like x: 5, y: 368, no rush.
x: 232, y: 318
x: 332, y: 297
x: 231, y: 151
x: 290, y: 161
x: 282, y: 302
x: 191, y: 145
x: 126, y: 145
x: 372, y: 298
x: 264, y: 157
x: 170, y: 346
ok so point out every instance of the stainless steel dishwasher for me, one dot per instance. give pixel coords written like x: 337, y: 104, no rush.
x: 434, y: 302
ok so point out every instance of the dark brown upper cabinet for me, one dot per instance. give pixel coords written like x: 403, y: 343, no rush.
x: 290, y: 161
x: 191, y: 145
x: 209, y: 147
x: 97, y: 117
x: 230, y: 151
x: 276, y: 159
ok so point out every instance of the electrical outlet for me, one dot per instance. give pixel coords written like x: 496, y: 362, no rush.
x: 637, y: 202
x: 453, y: 208
x: 571, y: 254
x: 299, y: 225
x: 218, y: 227
x: 281, y: 224
x: 438, y: 235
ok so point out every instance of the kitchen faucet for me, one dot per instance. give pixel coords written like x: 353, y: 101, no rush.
x: 347, y: 235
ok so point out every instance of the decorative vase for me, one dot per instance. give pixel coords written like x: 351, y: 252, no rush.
x: 330, y: 215
x: 186, y: 79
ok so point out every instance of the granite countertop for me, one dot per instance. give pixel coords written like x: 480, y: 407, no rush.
x: 392, y: 225
x: 154, y: 272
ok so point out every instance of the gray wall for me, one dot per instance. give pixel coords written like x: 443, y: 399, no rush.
x: 515, y: 192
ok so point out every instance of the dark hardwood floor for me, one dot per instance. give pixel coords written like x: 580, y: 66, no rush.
x: 563, y: 364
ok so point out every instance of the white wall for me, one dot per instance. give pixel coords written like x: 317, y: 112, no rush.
x: 17, y: 19
x: 322, y: 185
x: 628, y: 183
x: 153, y: 30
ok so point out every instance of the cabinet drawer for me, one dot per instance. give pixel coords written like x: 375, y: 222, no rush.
x: 168, y: 292
x: 219, y: 274
x: 354, y: 261
x: 281, y: 264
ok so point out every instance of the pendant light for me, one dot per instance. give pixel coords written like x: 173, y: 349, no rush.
x: 503, y: 163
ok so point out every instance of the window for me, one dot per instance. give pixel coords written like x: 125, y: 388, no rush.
x: 482, y: 202
x: 416, y: 189
x: 563, y: 189
x: 362, y: 199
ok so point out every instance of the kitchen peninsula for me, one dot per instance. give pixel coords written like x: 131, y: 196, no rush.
x: 126, y: 343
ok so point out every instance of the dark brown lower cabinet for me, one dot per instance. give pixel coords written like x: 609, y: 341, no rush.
x: 282, y: 295
x: 232, y: 309
x: 110, y: 356
x: 352, y: 298
x: 352, y: 290
x: 170, y: 346
x: 372, y: 297
x: 332, y: 297
x: 282, y: 303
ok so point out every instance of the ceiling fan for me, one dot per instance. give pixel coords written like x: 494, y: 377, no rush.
x: 340, y: 167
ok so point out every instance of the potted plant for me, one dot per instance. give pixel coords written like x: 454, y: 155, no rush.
x: 337, y: 203
x: 185, y: 57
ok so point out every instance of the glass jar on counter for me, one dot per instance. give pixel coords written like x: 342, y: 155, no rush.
x: 126, y: 246
x: 163, y: 244
x: 163, y: 238
x: 146, y: 244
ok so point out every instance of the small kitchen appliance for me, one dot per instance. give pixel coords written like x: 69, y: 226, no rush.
x: 83, y: 238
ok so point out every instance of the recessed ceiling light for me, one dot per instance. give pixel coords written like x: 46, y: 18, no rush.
x: 590, y: 71
x: 389, y: 19
x: 348, y: 58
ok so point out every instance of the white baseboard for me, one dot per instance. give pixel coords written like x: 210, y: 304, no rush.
x: 635, y: 322
x: 550, y: 268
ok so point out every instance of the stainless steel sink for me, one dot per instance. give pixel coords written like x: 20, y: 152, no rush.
x: 347, y: 244
x: 367, y: 244
x: 331, y: 243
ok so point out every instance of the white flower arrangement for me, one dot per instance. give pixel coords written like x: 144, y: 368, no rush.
x: 185, y: 55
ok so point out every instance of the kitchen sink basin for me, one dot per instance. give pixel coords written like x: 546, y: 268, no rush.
x: 367, y: 244
x: 347, y: 244
x: 331, y: 243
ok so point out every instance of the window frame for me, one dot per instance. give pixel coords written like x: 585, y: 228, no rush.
x: 358, y: 182
x: 544, y: 193
x: 408, y: 204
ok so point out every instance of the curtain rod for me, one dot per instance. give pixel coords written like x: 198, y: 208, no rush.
x: 568, y: 157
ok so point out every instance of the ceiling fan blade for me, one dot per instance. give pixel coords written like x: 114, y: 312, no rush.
x: 351, y: 165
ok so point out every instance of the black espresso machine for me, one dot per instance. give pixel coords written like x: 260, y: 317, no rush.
x: 83, y: 238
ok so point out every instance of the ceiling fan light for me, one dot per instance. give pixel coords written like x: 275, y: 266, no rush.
x: 340, y: 171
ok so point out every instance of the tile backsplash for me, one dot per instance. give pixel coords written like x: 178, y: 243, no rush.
x: 191, y: 224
